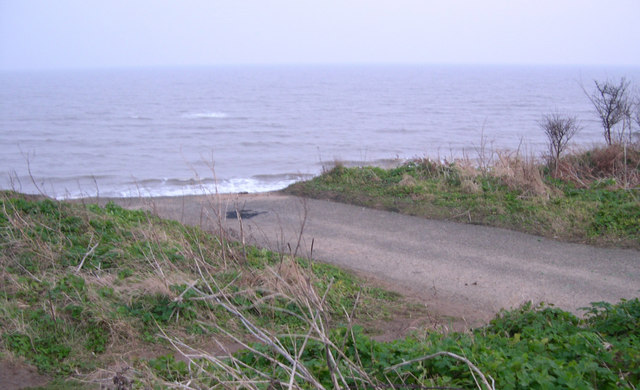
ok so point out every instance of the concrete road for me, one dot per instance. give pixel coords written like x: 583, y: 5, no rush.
x: 457, y: 270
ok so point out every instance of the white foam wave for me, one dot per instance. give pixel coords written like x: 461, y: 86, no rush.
x: 142, y: 118
x: 206, y: 115
x: 231, y: 186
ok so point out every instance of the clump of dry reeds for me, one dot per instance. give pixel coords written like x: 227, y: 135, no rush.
x: 618, y: 165
x: 518, y: 171
x: 618, y: 162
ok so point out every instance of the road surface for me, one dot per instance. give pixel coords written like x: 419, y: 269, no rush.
x: 463, y: 271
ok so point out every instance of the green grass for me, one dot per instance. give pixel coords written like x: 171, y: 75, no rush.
x: 75, y: 312
x: 528, y: 348
x: 66, y: 308
x: 598, y: 214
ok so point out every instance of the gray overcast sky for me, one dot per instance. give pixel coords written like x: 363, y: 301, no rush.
x: 107, y: 33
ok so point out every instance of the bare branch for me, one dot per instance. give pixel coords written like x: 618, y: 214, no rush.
x: 559, y: 130
x: 613, y: 105
x: 89, y: 253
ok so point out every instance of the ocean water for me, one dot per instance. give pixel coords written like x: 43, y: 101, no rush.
x: 176, y: 131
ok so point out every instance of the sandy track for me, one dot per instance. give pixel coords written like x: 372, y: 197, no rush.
x: 457, y: 270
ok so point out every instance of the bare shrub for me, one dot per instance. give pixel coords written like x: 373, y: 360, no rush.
x: 485, y: 153
x: 613, y: 105
x: 617, y: 162
x: 559, y: 130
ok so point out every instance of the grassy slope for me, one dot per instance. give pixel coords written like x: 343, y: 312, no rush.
x: 597, y: 214
x: 89, y: 288
x: 64, y: 317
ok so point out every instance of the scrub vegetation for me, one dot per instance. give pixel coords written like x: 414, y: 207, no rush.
x: 82, y: 287
x: 591, y: 196
x: 103, y: 296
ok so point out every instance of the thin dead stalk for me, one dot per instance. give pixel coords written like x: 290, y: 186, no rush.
x: 242, y: 239
x: 303, y: 222
x: 89, y: 253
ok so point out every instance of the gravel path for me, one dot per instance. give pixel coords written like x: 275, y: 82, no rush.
x: 464, y: 271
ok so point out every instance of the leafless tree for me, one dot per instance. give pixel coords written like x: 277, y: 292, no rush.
x: 559, y: 130
x: 613, y: 105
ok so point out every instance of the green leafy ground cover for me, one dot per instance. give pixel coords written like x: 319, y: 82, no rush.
x: 596, y: 210
x: 80, y: 286
x: 85, y: 290
x: 529, y: 348
x: 533, y: 347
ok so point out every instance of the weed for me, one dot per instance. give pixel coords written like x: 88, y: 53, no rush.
x: 82, y: 284
x: 530, y: 347
x: 169, y: 369
x: 591, y: 198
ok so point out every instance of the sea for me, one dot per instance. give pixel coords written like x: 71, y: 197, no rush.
x: 229, y: 129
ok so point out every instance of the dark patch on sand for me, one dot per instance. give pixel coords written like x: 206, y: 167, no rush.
x: 244, y: 214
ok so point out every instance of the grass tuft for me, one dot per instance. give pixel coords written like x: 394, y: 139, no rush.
x: 594, y: 197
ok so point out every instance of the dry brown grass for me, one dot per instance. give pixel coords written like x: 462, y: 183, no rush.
x: 618, y: 162
x: 469, y: 186
x: 407, y: 181
x: 295, y: 285
x: 520, y: 172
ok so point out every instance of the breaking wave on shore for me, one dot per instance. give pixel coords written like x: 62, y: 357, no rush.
x: 104, y: 186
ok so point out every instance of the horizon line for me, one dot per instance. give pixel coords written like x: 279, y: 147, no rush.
x: 311, y: 64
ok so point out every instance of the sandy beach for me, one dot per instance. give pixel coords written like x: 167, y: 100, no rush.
x: 459, y: 271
